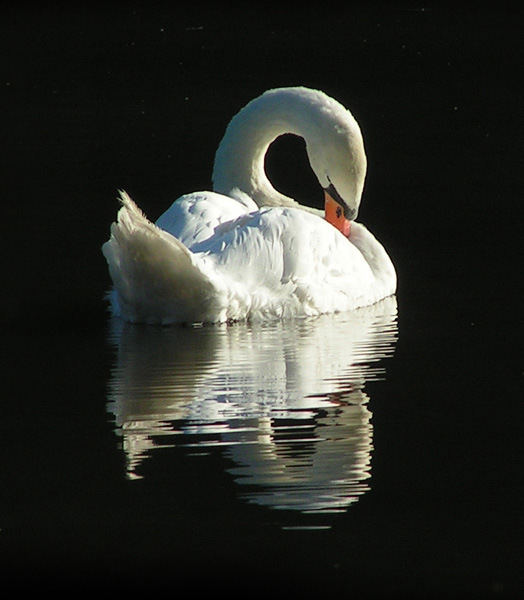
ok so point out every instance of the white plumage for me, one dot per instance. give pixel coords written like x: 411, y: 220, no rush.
x: 250, y: 252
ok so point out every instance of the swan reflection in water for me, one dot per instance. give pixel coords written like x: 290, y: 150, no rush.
x: 284, y: 401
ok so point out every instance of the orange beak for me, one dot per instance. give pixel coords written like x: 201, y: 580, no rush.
x: 335, y: 215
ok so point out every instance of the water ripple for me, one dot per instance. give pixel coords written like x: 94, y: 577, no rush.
x: 284, y: 402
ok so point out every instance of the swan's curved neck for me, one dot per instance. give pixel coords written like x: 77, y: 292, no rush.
x: 240, y: 158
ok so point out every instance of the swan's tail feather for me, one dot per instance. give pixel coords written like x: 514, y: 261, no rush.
x: 156, y: 278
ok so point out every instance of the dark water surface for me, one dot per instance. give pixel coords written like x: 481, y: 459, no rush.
x: 378, y: 454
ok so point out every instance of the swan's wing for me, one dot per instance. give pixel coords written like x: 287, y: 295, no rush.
x: 193, y: 218
x: 289, y: 257
x: 156, y: 278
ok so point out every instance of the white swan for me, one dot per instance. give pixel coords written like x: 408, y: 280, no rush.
x: 245, y: 251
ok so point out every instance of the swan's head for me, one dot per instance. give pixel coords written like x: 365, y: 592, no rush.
x: 338, y: 159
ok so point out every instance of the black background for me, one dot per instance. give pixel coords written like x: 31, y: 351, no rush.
x: 137, y: 96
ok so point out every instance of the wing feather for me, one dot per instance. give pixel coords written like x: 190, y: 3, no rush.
x: 193, y: 218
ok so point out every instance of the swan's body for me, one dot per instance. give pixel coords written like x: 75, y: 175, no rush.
x: 245, y: 250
